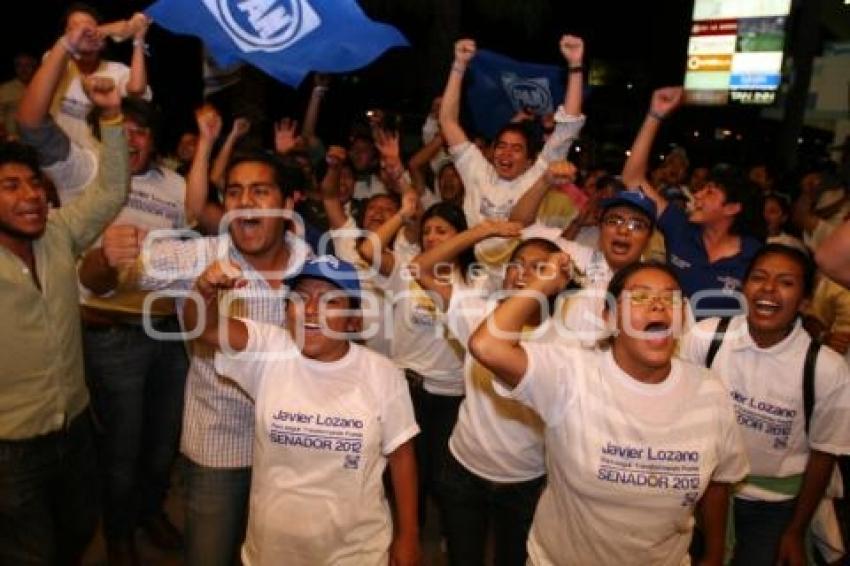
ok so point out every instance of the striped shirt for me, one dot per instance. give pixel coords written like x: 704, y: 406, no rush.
x: 218, y: 417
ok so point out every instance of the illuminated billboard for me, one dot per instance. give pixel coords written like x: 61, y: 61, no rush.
x: 735, y: 51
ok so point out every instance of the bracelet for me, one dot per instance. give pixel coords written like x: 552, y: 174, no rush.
x: 114, y: 121
x: 458, y: 68
x: 63, y: 41
x: 141, y: 43
x: 577, y: 69
x: 657, y: 115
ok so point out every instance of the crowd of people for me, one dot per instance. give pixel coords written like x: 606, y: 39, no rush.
x: 573, y: 363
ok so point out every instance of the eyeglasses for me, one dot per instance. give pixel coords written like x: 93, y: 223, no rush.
x: 631, y: 224
x: 642, y: 298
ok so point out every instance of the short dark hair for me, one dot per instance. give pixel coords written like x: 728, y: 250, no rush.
x: 519, y: 128
x: 796, y: 255
x: 20, y: 154
x: 284, y: 177
x: 144, y: 113
x: 80, y: 7
x: 454, y: 215
x: 394, y: 198
x: 739, y: 189
x: 606, y: 180
x: 621, y: 276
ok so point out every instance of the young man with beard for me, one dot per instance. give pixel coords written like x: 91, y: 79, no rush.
x: 331, y: 415
x: 711, y: 247
x: 792, y: 442
x: 218, y: 417
x: 48, y: 509
x: 137, y: 381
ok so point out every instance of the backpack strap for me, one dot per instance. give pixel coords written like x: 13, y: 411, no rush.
x: 717, y: 340
x: 809, y: 382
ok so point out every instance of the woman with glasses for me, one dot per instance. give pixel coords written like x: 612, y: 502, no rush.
x: 626, y: 223
x: 635, y: 439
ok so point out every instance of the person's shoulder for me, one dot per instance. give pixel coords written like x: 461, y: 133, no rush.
x: 373, y: 367
x: 750, y: 245
x: 114, y: 67
x: 703, y: 380
x: 831, y: 362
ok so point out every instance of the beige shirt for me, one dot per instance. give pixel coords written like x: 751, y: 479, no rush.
x: 42, y: 385
x: 11, y: 93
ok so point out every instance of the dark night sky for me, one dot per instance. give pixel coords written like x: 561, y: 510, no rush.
x: 645, y: 41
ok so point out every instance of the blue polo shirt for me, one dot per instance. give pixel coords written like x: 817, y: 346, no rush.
x: 687, y: 256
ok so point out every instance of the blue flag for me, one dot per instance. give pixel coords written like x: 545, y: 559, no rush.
x: 285, y: 38
x: 499, y: 86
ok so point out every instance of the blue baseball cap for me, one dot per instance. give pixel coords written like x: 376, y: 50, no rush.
x: 331, y: 269
x: 633, y: 198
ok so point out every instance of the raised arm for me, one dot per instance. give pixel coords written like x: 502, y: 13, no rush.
x: 330, y: 188
x: 450, y: 106
x: 664, y: 101
x: 572, y: 48
x: 833, y: 255
x: 137, y: 85
x: 525, y: 209
x: 311, y: 115
x: 218, y: 276
x: 386, y: 142
x: 198, y: 209
x: 410, y: 208
x: 421, y: 159
x: 35, y: 104
x: 285, y: 135
x: 239, y: 128
x: 425, y: 265
x: 495, y: 344
x: 568, y: 120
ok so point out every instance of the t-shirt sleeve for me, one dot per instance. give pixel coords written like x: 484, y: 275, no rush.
x: 695, y: 343
x: 830, y: 425
x: 546, y: 385
x: 345, y: 241
x: 567, y: 129
x: 123, y: 77
x: 397, y: 280
x: 732, y: 463
x: 579, y: 254
x: 469, y: 162
x: 673, y: 222
x: 398, y: 423
x: 168, y: 263
x: 73, y: 172
x: 265, y: 341
x: 467, y: 308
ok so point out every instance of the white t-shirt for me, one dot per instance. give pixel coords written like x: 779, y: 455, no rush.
x: 766, y: 388
x: 584, y: 308
x: 369, y: 187
x: 626, y: 461
x: 496, y: 438
x: 71, y: 106
x: 376, y: 311
x: 420, y: 339
x: 323, y: 432
x: 486, y: 195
